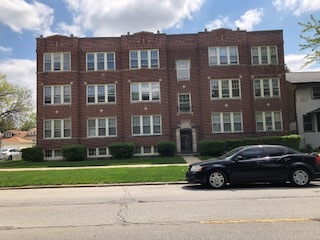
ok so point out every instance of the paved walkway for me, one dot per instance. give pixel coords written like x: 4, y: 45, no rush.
x: 188, y: 159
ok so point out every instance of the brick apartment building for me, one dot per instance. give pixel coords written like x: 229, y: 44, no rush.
x: 146, y: 87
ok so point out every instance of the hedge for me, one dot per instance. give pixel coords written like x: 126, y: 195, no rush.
x: 166, y: 148
x: 74, y: 152
x: 121, y: 149
x: 33, y: 154
x: 218, y: 147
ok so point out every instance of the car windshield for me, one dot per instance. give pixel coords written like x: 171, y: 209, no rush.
x: 231, y: 153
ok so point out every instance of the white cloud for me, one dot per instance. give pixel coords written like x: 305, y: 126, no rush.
x: 114, y: 17
x: 20, y: 72
x: 298, y: 7
x: 295, y: 63
x: 20, y: 15
x: 249, y: 19
x: 5, y: 49
x: 246, y: 22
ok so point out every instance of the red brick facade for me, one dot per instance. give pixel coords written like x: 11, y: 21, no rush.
x: 186, y: 128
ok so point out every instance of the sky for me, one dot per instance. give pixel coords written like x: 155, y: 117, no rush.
x: 22, y: 21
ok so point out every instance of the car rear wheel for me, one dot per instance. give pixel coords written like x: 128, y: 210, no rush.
x: 9, y: 157
x: 216, y: 180
x: 300, y: 177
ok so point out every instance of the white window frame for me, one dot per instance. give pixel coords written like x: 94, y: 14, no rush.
x: 269, y: 58
x: 106, y: 61
x: 108, y: 123
x: 141, y: 151
x: 215, y: 55
x: 183, y: 70
x: 219, y: 122
x: 138, y: 122
x: 262, y: 86
x: 96, y: 152
x: 183, y: 104
x: 221, y: 94
x: 50, y: 59
x: 50, y: 129
x: 140, y: 90
x: 51, y: 98
x: 316, y: 92
x: 142, y: 62
x: 267, y: 121
x: 108, y: 97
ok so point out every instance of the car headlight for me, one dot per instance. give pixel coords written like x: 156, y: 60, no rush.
x: 196, y: 168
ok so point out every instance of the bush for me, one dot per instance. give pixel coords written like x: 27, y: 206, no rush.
x: 217, y: 148
x: 74, y: 152
x: 166, y: 148
x: 33, y: 154
x: 122, y: 150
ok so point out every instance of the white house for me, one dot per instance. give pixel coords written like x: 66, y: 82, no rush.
x: 307, y: 106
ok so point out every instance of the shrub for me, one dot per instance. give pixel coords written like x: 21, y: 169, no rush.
x: 74, y: 152
x: 166, y: 148
x: 212, y: 148
x: 33, y: 154
x: 122, y: 150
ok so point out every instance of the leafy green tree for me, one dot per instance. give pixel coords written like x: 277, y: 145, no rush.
x: 15, y: 104
x: 311, y: 35
x: 29, y: 122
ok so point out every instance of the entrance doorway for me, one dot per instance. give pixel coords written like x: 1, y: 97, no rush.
x: 186, y: 141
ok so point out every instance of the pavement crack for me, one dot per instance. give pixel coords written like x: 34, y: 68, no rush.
x: 122, y: 214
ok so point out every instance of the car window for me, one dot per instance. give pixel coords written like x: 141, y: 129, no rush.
x: 273, y: 151
x: 251, y: 153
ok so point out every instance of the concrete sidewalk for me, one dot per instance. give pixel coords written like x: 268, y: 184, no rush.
x: 188, y: 159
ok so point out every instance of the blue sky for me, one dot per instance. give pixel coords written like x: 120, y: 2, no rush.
x: 22, y: 21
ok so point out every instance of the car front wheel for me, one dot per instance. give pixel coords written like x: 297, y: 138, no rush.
x: 300, y: 177
x: 216, y: 180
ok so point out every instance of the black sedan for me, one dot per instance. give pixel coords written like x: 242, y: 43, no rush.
x: 256, y: 163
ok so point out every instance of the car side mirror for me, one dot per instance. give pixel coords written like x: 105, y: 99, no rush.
x: 237, y: 158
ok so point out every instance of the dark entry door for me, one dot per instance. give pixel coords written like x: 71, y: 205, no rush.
x: 186, y: 141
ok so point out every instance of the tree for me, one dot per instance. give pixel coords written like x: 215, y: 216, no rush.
x: 15, y: 104
x: 29, y: 122
x: 311, y: 34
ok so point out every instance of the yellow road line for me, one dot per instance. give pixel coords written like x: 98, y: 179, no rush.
x: 260, y: 220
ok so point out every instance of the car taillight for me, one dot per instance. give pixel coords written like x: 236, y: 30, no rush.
x: 318, y: 159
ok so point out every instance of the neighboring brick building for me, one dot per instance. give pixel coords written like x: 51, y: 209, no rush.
x: 146, y: 87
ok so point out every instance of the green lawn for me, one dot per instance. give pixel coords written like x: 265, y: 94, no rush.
x: 93, y: 162
x: 91, y: 176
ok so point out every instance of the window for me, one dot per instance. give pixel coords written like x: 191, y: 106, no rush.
x: 57, y: 62
x: 268, y: 121
x: 266, y: 87
x: 225, y: 88
x: 146, y: 150
x: 146, y: 125
x: 144, y: 92
x: 308, y: 123
x: 227, y: 122
x: 98, y: 152
x: 184, y: 102
x: 144, y: 59
x: 58, y: 128
x: 264, y: 55
x: 101, y: 61
x: 57, y: 94
x: 101, y: 93
x: 316, y: 93
x: 102, y: 127
x: 183, y: 70
x: 223, y: 55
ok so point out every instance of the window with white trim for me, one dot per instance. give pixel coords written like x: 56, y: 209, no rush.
x: 223, y: 55
x: 183, y: 70
x: 57, y: 94
x: 269, y: 121
x: 266, y: 87
x: 102, y: 127
x: 184, y: 103
x: 144, y: 58
x: 225, y: 88
x: 227, y: 122
x: 264, y: 55
x: 316, y: 92
x: 101, y: 61
x: 57, y: 128
x: 145, y: 92
x: 57, y: 62
x: 146, y: 125
x: 308, y: 123
x: 98, y: 152
x: 99, y: 94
